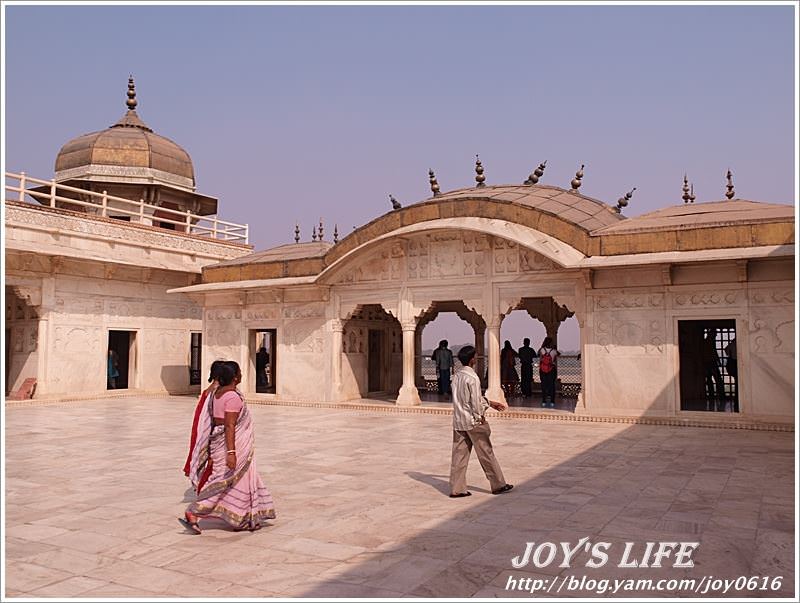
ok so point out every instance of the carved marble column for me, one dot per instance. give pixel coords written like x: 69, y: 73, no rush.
x: 408, y: 395
x: 480, y: 350
x: 494, y: 391
x: 418, y: 377
x: 337, y: 328
x: 551, y: 326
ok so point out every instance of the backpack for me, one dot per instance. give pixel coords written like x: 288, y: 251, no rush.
x: 546, y: 362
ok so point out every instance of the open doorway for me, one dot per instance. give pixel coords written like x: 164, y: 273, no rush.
x: 708, y: 365
x: 264, y: 359
x: 375, y: 361
x: 121, y: 359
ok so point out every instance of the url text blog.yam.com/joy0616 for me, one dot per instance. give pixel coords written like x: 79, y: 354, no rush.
x: 595, y: 555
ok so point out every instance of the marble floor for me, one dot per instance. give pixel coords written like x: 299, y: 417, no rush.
x: 93, y: 489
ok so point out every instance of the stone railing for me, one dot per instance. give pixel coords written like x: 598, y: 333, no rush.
x: 569, y: 376
x: 52, y: 194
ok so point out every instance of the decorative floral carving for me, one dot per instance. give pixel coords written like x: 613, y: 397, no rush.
x: 531, y: 261
x: 628, y: 300
x: 307, y: 310
x: 706, y: 298
x: 418, y: 257
x: 474, y: 253
x: 506, y: 256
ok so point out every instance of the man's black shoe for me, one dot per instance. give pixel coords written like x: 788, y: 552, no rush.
x: 505, y: 488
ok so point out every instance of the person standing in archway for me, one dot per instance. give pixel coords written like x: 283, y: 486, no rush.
x: 508, y: 372
x: 547, y: 371
x: 443, y: 358
x: 526, y: 355
x: 470, y: 429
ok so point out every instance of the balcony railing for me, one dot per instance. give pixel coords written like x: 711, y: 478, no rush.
x: 568, y: 374
x: 102, y: 204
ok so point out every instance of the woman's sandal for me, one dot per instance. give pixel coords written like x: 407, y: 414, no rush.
x: 192, y: 526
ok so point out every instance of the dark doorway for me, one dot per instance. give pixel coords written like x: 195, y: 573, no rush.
x: 375, y: 361
x: 120, y: 359
x: 265, y: 360
x: 708, y: 365
x: 195, y: 359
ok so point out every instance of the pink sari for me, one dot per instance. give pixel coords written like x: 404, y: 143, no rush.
x: 236, y: 496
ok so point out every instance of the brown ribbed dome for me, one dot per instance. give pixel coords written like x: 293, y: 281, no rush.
x: 129, y: 149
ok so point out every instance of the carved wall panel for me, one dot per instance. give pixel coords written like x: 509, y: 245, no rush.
x: 530, y: 261
x: 772, y: 297
x: 170, y: 342
x: 418, y: 258
x: 771, y: 333
x: 506, y: 256
x: 630, y: 336
x: 353, y: 340
x: 221, y: 335
x: 77, y: 340
x: 445, y: 255
x: 474, y: 253
x: 303, y: 336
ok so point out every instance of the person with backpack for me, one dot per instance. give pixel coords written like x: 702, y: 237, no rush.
x: 547, y: 372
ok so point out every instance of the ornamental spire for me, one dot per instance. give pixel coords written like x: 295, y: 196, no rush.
x: 729, y: 192
x: 320, y: 229
x: 131, y: 102
x: 314, y: 233
x: 434, y: 183
x: 296, y: 232
x: 537, y: 173
x: 479, y: 177
x: 685, y: 189
x: 335, y: 233
x: 622, y: 202
x: 576, y: 181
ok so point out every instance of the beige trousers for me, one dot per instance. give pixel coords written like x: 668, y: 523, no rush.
x: 463, y: 442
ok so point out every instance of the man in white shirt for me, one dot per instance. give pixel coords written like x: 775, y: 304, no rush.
x: 470, y: 429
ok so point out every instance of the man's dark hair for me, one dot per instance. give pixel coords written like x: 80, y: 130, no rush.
x: 526, y: 341
x: 466, y: 354
x: 214, y: 372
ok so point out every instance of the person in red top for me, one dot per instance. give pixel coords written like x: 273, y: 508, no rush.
x: 548, y: 355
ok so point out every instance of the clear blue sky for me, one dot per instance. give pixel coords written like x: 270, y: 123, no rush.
x: 296, y: 113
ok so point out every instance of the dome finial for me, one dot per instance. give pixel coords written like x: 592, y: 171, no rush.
x: 335, y: 233
x: 537, y: 173
x: 576, y: 181
x: 623, y: 201
x: 691, y: 193
x: 729, y: 192
x: 320, y: 229
x: 296, y: 232
x: 479, y: 177
x: 131, y: 102
x: 434, y: 183
x: 395, y: 203
x: 314, y: 233
x: 685, y: 189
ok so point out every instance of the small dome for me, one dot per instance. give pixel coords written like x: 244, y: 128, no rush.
x: 129, y: 151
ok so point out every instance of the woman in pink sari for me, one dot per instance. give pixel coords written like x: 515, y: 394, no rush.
x: 201, y: 404
x: 223, y: 468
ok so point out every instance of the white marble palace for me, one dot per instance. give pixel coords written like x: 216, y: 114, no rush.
x: 683, y: 311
